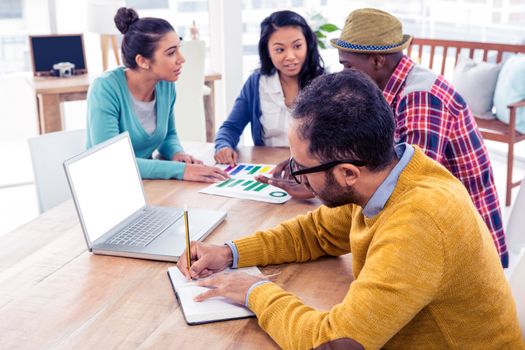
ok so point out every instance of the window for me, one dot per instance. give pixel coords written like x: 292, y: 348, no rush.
x: 147, y: 4
x: 181, y: 15
x: 18, y: 19
x: 10, y: 9
x: 192, y: 6
x: 475, y: 20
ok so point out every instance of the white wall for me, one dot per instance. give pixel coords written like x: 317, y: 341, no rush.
x: 226, y: 52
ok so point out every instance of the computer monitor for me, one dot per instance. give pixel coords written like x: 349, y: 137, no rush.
x: 48, y: 50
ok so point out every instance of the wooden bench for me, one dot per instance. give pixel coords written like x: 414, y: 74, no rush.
x: 441, y: 56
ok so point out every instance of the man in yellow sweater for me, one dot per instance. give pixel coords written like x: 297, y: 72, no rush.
x: 426, y: 272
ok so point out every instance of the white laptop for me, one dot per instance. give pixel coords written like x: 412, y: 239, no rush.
x: 109, y: 197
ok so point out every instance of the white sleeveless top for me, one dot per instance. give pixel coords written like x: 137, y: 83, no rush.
x: 275, y: 115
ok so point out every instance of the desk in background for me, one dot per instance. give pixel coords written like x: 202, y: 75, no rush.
x: 55, y: 294
x: 51, y: 91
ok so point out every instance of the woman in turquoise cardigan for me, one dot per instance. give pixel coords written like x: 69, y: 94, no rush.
x: 139, y: 98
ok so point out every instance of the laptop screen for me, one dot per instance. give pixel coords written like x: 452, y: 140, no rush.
x: 47, y: 50
x: 107, y: 186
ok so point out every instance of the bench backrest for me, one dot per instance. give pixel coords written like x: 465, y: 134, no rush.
x: 441, y: 56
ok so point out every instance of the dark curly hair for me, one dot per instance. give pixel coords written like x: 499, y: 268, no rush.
x: 141, y: 35
x: 313, y: 65
x: 345, y: 116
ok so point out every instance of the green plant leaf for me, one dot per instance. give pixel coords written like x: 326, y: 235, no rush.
x: 329, y: 27
x: 321, y: 44
x: 319, y: 34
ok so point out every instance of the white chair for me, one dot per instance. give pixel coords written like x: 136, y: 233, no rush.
x: 515, y: 231
x: 48, y: 152
x: 189, y: 106
x: 517, y: 285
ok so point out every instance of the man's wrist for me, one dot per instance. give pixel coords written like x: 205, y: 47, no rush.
x: 228, y: 255
x: 253, y: 286
x: 233, y: 255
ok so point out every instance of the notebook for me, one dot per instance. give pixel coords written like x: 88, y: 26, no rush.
x: 109, y: 197
x: 210, y: 310
x: 241, y: 184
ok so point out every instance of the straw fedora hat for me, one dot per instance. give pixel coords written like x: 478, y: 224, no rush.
x: 372, y: 31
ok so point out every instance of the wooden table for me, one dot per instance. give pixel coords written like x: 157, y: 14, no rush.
x: 51, y: 91
x: 55, y: 294
x: 209, y: 104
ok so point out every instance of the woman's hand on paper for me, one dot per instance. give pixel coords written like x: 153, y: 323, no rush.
x: 185, y: 158
x: 233, y: 286
x: 226, y: 155
x: 204, y: 173
x: 206, y: 260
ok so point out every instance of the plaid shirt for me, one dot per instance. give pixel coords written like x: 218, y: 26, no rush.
x: 438, y: 120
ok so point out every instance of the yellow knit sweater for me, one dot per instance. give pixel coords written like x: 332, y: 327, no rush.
x: 426, y: 272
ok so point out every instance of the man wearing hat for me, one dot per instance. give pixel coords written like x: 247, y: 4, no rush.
x: 428, y: 111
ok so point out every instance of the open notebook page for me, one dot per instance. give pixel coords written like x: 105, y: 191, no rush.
x: 210, y: 310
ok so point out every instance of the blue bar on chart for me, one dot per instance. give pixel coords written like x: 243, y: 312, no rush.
x: 237, y: 169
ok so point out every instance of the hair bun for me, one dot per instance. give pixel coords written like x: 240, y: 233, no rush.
x: 124, y: 18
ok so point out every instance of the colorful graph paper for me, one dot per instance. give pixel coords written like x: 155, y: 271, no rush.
x: 241, y: 184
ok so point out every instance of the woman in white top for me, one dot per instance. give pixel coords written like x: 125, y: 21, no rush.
x: 289, y: 61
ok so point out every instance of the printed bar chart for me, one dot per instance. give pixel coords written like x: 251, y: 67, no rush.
x: 242, y: 184
x: 225, y: 183
x: 254, y: 170
x: 251, y: 187
x: 261, y: 187
x: 246, y: 169
x: 237, y: 170
x: 235, y: 183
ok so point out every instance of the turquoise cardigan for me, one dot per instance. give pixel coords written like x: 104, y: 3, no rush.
x: 110, y: 112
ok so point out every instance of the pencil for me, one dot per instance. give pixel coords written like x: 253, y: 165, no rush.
x: 187, y: 228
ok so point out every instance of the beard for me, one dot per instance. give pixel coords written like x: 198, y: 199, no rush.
x: 334, y: 195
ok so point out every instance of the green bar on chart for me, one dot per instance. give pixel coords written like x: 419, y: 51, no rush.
x: 247, y: 182
x: 253, y: 185
x: 235, y: 183
x: 225, y: 183
x: 260, y: 187
x: 254, y: 170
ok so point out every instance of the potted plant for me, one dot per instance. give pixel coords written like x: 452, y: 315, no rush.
x: 321, y: 28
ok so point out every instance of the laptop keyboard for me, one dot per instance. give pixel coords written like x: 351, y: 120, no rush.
x: 147, y: 227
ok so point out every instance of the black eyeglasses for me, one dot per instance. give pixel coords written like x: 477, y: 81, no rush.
x: 296, y: 172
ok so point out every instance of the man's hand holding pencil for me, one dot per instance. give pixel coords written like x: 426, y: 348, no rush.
x: 206, y: 259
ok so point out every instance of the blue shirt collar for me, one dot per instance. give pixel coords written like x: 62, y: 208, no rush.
x: 378, y: 200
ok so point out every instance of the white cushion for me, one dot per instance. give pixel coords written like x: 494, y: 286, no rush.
x: 510, y: 89
x: 476, y: 82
